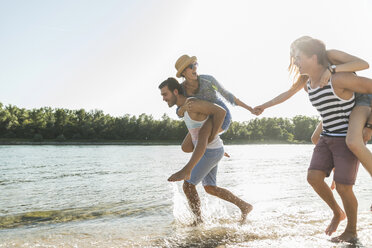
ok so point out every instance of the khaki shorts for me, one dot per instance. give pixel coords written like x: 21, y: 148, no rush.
x: 332, y: 152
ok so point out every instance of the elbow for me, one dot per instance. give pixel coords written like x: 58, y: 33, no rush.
x: 364, y: 65
x: 367, y: 65
x: 314, y: 139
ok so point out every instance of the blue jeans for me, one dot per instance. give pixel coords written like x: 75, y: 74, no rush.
x: 363, y: 99
x: 227, y: 121
x: 206, y: 169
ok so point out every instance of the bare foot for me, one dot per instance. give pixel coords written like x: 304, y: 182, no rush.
x: 180, y: 175
x: 346, y: 237
x: 334, y: 223
x: 246, y: 209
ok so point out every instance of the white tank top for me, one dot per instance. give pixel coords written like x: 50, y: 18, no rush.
x: 194, y: 128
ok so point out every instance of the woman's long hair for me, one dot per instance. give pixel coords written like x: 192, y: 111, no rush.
x: 309, y: 46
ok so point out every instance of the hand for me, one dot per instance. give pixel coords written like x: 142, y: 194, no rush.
x: 258, y: 110
x: 250, y: 109
x: 367, y: 133
x: 325, y: 78
x: 181, y: 111
x: 210, y: 138
x: 188, y: 106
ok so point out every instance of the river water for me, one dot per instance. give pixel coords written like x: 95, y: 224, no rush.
x: 118, y: 196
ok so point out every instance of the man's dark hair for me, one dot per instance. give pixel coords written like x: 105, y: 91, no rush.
x: 172, y: 84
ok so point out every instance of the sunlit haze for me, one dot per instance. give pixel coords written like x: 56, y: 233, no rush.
x: 112, y: 55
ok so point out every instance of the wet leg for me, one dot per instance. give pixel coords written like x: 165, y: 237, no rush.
x: 226, y: 195
x: 316, y: 180
x: 351, y: 208
x: 193, y: 200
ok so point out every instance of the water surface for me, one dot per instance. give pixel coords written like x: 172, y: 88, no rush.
x: 118, y: 196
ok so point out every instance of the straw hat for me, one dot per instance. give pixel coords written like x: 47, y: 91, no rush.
x: 182, y: 62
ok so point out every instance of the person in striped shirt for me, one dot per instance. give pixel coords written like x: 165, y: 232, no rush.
x: 334, y: 103
x: 357, y: 134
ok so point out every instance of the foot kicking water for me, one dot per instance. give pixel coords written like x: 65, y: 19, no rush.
x: 246, y: 209
x: 332, y: 227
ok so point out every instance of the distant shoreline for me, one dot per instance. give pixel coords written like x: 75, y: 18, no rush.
x: 129, y: 142
x: 99, y: 142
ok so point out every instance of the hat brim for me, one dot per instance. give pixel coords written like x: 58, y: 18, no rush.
x: 184, y: 65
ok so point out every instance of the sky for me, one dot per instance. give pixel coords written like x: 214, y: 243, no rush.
x: 112, y: 55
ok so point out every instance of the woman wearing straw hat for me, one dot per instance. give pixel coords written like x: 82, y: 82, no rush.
x: 204, y: 87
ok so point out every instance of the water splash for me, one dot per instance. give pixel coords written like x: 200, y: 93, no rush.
x: 181, y: 210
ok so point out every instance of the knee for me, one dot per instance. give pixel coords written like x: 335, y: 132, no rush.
x: 314, y: 179
x: 343, y: 188
x: 186, y: 148
x: 210, y: 189
x: 187, y: 187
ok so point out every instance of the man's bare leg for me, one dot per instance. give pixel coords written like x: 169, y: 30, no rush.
x: 351, y: 208
x: 226, y: 195
x: 193, y: 200
x: 185, y: 172
x: 316, y: 180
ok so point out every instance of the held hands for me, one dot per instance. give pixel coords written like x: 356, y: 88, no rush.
x: 249, y: 108
x: 325, y: 78
x: 258, y: 110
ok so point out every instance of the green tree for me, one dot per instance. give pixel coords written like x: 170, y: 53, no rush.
x: 304, y: 127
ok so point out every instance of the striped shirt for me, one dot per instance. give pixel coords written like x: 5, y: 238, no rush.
x: 334, y: 111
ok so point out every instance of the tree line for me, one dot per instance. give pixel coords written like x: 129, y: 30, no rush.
x: 63, y: 124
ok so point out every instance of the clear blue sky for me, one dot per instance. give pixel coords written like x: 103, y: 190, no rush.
x: 111, y: 55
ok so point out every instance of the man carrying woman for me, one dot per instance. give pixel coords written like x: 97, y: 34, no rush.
x: 334, y: 103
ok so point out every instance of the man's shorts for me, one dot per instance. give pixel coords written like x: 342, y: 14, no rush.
x: 363, y: 99
x: 332, y: 152
x: 206, y: 169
